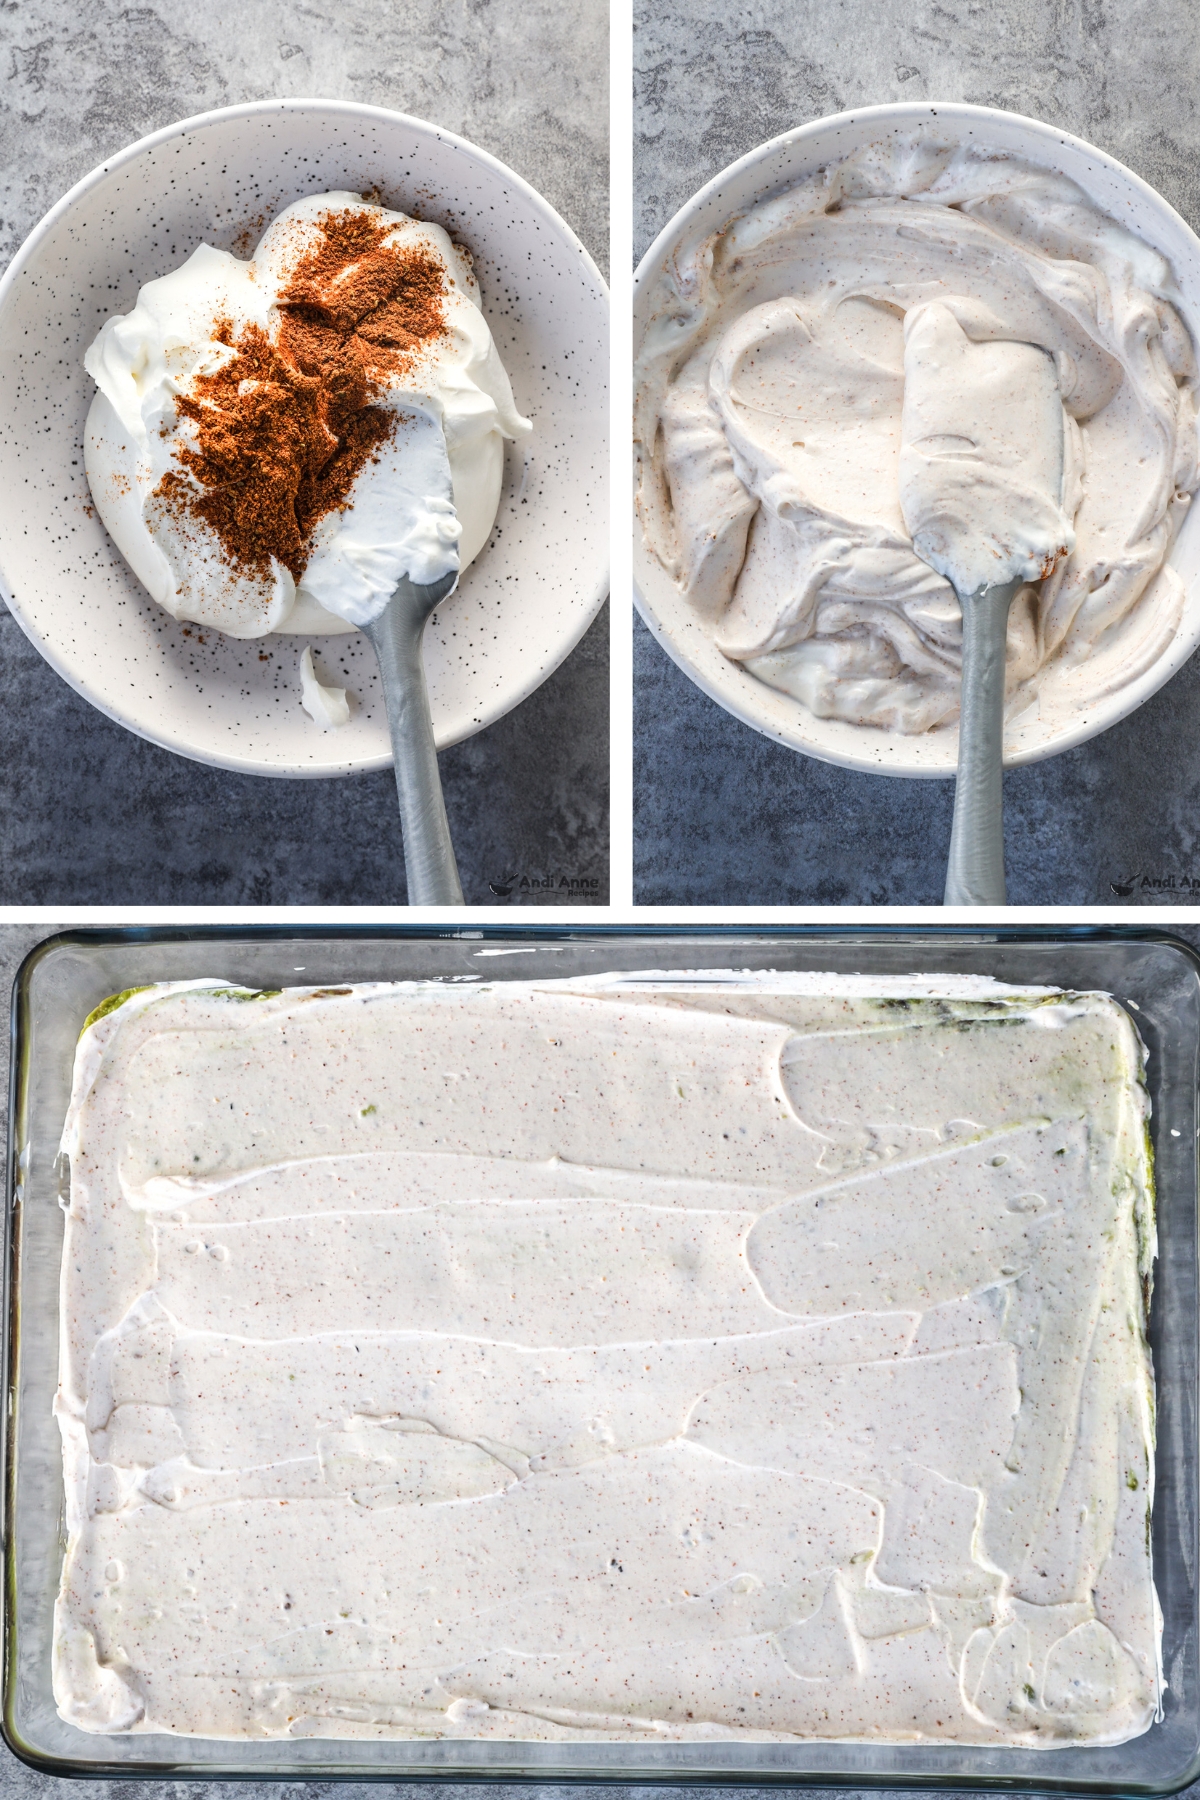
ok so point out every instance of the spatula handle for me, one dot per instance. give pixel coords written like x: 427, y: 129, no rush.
x: 429, y: 864
x: 975, y: 873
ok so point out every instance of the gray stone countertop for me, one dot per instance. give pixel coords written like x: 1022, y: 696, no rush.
x: 723, y: 815
x: 90, y: 814
x: 20, y: 1783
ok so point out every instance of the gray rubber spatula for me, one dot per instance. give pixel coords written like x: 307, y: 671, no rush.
x: 396, y: 634
x: 975, y: 869
x: 981, y: 477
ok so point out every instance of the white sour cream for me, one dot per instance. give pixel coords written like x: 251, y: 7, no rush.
x: 424, y: 506
x: 648, y: 1358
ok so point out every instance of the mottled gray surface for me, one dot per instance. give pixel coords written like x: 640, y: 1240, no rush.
x: 89, y: 814
x: 722, y: 814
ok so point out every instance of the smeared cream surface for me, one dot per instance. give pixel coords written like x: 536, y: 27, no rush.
x: 817, y: 519
x: 689, y: 1356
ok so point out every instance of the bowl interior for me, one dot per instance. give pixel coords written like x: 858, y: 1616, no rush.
x: 220, y: 179
x: 779, y: 164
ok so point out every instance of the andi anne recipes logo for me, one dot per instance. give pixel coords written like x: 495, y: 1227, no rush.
x: 1148, y: 883
x: 556, y: 886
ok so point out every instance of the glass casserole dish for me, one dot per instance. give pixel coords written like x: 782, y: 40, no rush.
x: 1156, y: 977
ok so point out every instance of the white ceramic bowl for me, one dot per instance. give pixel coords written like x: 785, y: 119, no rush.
x: 219, y: 178
x: 777, y: 165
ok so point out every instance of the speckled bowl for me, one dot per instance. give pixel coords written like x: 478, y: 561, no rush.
x: 219, y: 178
x: 777, y: 165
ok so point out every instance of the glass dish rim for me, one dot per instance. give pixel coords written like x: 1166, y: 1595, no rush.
x: 918, y: 936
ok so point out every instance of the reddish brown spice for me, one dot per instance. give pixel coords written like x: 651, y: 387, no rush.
x: 285, y: 426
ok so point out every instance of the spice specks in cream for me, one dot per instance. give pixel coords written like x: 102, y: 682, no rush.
x: 815, y: 517
x: 642, y: 1358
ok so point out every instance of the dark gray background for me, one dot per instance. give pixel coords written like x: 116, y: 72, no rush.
x: 90, y: 814
x: 722, y: 815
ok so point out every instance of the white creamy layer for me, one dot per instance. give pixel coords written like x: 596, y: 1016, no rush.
x: 784, y: 476
x: 644, y: 1358
x: 422, y: 507
x: 982, y: 442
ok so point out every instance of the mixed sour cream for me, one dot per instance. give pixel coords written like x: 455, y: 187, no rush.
x: 925, y: 367
x: 650, y: 1358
